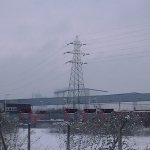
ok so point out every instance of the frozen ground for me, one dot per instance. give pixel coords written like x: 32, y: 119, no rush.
x: 141, y: 143
x: 42, y: 139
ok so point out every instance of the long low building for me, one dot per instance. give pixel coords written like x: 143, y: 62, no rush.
x: 115, y: 98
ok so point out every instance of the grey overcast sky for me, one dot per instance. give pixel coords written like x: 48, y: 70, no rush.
x: 34, y: 35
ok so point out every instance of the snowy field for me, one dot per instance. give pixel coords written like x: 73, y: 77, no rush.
x: 42, y: 139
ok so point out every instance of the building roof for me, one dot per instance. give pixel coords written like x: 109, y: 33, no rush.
x: 65, y: 90
x: 125, y: 97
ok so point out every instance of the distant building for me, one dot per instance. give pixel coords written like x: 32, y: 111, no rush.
x: 37, y: 95
x: 88, y: 92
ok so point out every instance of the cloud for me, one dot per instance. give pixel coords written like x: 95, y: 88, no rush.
x: 34, y: 35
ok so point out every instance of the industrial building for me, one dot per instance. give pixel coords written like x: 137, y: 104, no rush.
x: 125, y: 101
x: 87, y: 92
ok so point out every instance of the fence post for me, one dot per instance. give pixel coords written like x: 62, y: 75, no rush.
x: 5, y: 148
x: 28, y: 136
x: 119, y: 139
x: 68, y: 137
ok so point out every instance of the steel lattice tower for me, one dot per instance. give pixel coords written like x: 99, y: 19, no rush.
x: 76, y: 83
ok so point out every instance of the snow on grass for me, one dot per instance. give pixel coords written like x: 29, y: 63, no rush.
x: 42, y: 139
x: 140, y: 142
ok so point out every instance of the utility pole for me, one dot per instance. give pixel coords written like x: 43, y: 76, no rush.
x: 28, y: 136
x: 68, y: 137
x: 119, y: 139
x: 76, y: 83
x: 1, y: 134
x: 5, y: 102
x: 119, y: 106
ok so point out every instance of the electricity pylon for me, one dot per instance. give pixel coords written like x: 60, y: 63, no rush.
x: 76, y: 83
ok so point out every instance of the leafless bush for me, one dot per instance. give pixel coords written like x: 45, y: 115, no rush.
x: 9, y: 126
x: 14, y: 136
x: 103, y: 131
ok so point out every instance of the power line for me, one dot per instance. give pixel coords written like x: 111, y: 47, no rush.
x: 118, y: 44
x: 119, y: 59
x: 114, y: 29
x: 122, y: 49
x: 46, y: 59
x: 61, y: 75
x: 36, y: 80
x: 119, y: 38
x: 33, y: 73
x: 118, y: 34
x: 123, y: 54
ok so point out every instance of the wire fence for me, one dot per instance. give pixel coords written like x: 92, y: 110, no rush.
x: 82, y: 131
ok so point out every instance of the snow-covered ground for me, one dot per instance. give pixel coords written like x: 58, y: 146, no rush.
x: 42, y: 139
x: 140, y: 143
